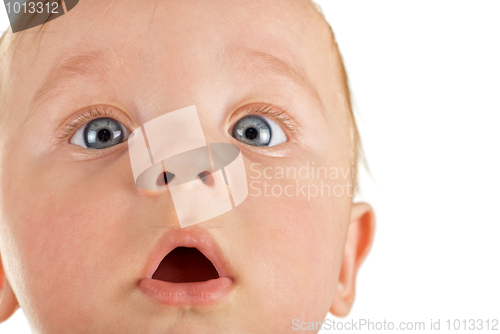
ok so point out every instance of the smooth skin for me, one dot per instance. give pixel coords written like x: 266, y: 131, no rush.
x: 76, y: 232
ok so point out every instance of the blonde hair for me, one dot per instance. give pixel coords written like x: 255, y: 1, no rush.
x: 357, y: 147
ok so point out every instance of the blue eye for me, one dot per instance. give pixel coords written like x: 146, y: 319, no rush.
x: 258, y: 131
x: 100, y: 133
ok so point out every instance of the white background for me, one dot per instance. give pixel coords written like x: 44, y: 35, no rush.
x: 425, y: 78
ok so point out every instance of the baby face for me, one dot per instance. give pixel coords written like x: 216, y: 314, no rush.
x: 81, y: 244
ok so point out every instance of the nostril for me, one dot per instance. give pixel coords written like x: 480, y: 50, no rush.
x: 203, y: 176
x: 165, y: 178
x: 207, y: 178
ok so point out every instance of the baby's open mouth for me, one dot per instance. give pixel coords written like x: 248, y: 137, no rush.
x: 185, y: 264
x: 188, y: 268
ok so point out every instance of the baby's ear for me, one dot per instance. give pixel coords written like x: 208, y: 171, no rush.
x: 358, y: 243
x: 8, y: 300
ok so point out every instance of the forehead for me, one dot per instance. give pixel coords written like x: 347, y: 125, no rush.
x: 190, y: 36
x: 182, y: 24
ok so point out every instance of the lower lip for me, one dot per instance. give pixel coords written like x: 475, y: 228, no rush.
x: 192, y: 293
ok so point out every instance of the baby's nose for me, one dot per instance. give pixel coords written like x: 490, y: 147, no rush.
x: 194, y: 165
x: 167, y: 177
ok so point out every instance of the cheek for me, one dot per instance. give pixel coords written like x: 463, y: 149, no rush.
x: 296, y: 244
x: 67, y: 231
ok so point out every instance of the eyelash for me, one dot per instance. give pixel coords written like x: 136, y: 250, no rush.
x: 268, y: 110
x: 91, y: 113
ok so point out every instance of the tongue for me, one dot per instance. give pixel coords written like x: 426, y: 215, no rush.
x: 184, y: 265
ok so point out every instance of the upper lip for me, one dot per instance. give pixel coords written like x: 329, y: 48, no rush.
x: 193, y: 237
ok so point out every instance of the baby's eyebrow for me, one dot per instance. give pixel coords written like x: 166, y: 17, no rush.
x: 104, y: 63
x: 266, y: 62
x: 97, y: 63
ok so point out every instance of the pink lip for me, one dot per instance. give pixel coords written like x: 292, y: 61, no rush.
x: 192, y: 293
